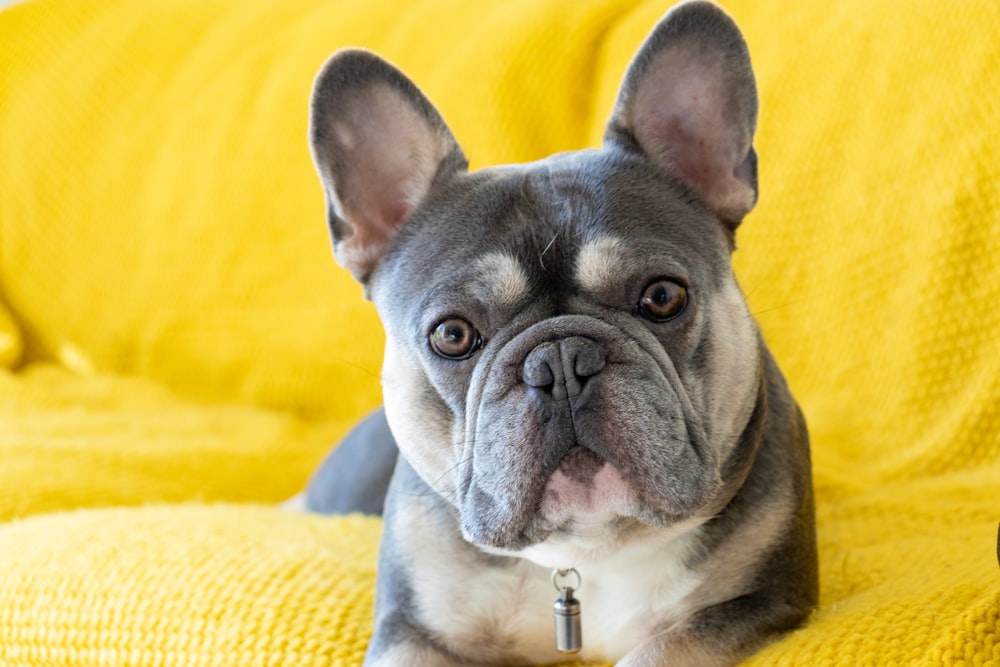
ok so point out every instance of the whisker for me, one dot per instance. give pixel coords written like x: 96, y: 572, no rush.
x: 780, y: 306
x: 541, y: 259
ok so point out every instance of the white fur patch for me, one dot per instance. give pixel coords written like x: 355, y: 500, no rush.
x: 604, y: 497
x: 590, y: 509
x: 734, y: 365
x: 409, y: 654
x: 597, y: 262
x: 422, y: 434
x: 501, y: 280
x: 625, y: 596
x: 296, y: 503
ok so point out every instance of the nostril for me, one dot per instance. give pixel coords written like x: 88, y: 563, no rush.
x: 586, y: 356
x: 538, y: 368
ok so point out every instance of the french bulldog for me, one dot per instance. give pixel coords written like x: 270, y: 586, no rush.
x: 585, y: 444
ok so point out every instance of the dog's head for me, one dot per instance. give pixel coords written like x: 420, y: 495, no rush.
x: 569, y: 360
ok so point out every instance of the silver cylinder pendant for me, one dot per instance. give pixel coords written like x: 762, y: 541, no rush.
x: 566, y: 610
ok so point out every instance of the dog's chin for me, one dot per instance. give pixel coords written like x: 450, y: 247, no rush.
x: 587, y: 513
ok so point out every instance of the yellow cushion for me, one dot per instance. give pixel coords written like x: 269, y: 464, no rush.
x: 242, y: 585
x: 197, y: 585
x: 69, y: 441
x: 160, y: 218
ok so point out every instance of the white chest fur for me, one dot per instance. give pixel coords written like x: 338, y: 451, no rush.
x: 505, y: 611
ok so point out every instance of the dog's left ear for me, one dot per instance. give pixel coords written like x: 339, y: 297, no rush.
x: 378, y: 145
x: 689, y: 103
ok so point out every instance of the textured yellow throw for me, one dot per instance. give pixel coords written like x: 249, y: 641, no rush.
x: 178, y: 349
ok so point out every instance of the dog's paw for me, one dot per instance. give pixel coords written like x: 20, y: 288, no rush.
x: 296, y: 503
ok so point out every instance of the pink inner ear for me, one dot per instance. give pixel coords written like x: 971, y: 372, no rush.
x: 688, y: 147
x: 389, y: 155
x: 372, y: 205
x: 380, y: 199
x: 679, y: 117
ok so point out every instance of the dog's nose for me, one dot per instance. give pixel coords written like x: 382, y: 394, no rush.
x: 563, y: 367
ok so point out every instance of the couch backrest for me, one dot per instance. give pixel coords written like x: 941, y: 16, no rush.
x: 160, y: 214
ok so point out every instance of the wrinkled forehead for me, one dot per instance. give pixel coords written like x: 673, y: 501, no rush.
x: 572, y: 221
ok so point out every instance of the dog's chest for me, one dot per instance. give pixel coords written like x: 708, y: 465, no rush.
x: 508, y: 611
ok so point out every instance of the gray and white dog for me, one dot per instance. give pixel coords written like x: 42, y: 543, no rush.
x: 584, y: 409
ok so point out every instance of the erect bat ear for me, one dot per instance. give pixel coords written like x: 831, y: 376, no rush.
x: 689, y: 103
x: 378, y: 146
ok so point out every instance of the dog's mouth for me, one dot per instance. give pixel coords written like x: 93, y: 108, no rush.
x: 586, y: 497
x: 585, y: 505
x: 585, y: 487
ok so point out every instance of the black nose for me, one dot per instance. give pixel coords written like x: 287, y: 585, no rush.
x: 563, y: 367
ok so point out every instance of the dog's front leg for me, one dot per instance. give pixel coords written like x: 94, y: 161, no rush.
x: 412, y: 650
x: 399, y: 638
x: 417, y: 554
x: 718, y: 636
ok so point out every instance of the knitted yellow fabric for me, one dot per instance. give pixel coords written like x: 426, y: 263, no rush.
x: 215, y: 585
x: 177, y: 333
x: 69, y: 442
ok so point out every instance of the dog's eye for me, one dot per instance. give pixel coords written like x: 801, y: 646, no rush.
x: 454, y: 338
x: 663, y: 300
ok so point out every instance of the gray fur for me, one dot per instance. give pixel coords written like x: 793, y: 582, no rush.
x: 369, y: 454
x: 578, y: 430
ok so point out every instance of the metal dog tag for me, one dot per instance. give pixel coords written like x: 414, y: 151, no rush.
x: 566, y: 612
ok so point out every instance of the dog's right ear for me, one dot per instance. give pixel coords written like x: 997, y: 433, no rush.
x: 378, y: 145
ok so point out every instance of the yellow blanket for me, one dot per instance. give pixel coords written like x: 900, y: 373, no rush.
x: 178, y: 349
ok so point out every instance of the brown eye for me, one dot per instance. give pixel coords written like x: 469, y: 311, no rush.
x: 663, y: 300
x: 454, y: 338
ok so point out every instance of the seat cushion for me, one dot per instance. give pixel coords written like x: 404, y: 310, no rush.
x: 69, y: 441
x: 186, y: 585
